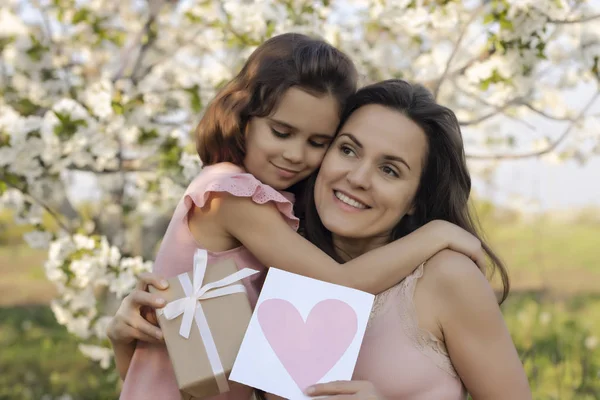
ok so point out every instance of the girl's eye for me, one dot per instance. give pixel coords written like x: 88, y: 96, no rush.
x: 279, y: 134
x: 320, y: 142
x: 346, y: 150
x: 318, y: 145
x: 389, y: 171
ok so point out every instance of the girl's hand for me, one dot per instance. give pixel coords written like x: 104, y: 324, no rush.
x: 344, y: 390
x: 456, y: 238
x: 136, y: 319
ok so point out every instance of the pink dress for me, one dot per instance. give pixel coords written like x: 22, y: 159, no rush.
x: 150, y: 375
x: 403, y: 361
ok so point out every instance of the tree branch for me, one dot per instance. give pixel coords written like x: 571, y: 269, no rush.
x: 497, y: 109
x: 49, y: 210
x: 480, y: 58
x: 154, y: 7
x: 457, y: 45
x: 53, y: 49
x: 144, y: 49
x: 551, y: 147
x: 574, y: 21
x: 545, y: 114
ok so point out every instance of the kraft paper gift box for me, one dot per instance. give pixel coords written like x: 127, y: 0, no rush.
x: 204, y: 323
x: 303, y: 331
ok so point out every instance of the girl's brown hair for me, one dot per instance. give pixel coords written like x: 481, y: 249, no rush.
x: 445, y: 184
x: 282, y: 62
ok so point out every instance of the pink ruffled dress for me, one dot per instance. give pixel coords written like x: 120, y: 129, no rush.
x: 150, y: 375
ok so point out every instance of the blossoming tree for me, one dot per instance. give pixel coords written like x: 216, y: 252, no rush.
x: 110, y: 90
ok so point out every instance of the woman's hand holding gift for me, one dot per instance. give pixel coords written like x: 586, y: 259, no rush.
x: 136, y: 318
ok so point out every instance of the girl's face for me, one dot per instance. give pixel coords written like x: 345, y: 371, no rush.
x: 288, y: 145
x: 370, y: 176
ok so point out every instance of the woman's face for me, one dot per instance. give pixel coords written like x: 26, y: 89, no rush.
x: 370, y: 175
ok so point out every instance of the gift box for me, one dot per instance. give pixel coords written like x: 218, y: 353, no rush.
x: 204, y: 323
x: 303, y: 331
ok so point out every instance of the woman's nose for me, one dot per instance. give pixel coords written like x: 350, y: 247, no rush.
x: 359, y: 176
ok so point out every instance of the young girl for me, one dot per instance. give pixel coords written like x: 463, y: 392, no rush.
x: 267, y: 130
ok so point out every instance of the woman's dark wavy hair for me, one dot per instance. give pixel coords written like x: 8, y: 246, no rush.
x: 445, y: 184
x: 284, y: 61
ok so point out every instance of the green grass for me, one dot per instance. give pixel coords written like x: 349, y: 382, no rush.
x: 548, y: 246
x: 558, y: 257
x: 39, y: 357
x: 559, y: 344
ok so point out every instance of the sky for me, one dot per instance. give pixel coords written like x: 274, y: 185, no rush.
x: 539, y: 182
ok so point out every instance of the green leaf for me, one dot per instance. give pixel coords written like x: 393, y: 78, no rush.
x: 270, y: 28
x: 153, y: 186
x: 488, y: 18
x: 192, y: 17
x: 11, y: 179
x: 117, y: 107
x: 195, y: 100
x: 147, y: 135
x: 26, y: 107
x: 4, y: 139
x: 5, y: 42
x: 506, y: 24
x: 81, y: 15
x: 170, y: 154
x: 37, y: 49
x: 67, y: 127
x: 596, y: 67
x: 117, y: 38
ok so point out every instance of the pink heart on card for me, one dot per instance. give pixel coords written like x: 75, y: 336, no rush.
x: 308, y: 350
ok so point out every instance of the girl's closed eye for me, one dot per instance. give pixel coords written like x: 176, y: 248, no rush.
x: 320, y: 141
x: 318, y: 144
x: 279, y: 134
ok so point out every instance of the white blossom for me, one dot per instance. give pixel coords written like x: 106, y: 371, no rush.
x: 122, y: 283
x: 38, y: 239
x: 191, y: 165
x: 101, y: 354
x: 98, y: 98
x: 101, y: 325
x: 11, y: 24
x: 84, y: 242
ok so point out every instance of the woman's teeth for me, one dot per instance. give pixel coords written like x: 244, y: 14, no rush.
x: 347, y: 200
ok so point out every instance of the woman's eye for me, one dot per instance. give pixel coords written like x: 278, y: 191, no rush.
x: 346, y: 150
x: 389, y: 171
x: 279, y: 134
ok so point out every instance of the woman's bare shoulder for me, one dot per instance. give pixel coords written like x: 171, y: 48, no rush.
x: 453, y: 273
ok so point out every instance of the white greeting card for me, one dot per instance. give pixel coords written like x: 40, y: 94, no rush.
x: 303, y: 331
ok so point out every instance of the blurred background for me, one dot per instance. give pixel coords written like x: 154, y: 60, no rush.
x: 98, y: 99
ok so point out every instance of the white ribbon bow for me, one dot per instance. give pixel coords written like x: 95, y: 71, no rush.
x: 191, y: 308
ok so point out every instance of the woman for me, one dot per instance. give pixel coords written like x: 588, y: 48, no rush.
x: 398, y: 162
